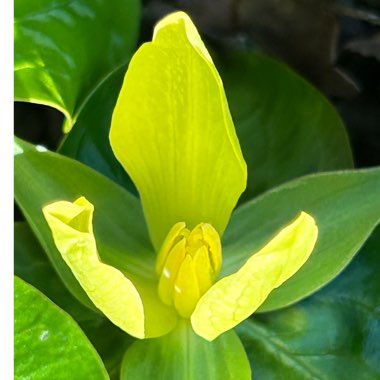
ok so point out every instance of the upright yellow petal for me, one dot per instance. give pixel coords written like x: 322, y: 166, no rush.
x: 186, y: 289
x: 110, y: 291
x: 235, y: 297
x: 173, y: 133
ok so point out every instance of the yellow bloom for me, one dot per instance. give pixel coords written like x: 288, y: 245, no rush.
x: 173, y: 133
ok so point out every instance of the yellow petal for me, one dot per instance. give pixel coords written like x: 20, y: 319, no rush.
x: 203, y: 270
x: 174, y: 235
x: 173, y: 133
x: 235, y: 297
x: 212, y: 239
x: 186, y: 265
x: 110, y: 291
x: 169, y: 272
x: 186, y: 289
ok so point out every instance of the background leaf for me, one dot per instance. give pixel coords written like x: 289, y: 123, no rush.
x: 332, y: 335
x: 48, y: 344
x: 64, y: 49
x: 88, y: 141
x: 32, y: 265
x: 285, y: 126
x: 184, y: 355
x: 119, y: 226
x: 346, y: 207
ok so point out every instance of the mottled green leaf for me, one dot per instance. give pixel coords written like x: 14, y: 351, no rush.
x: 48, y: 344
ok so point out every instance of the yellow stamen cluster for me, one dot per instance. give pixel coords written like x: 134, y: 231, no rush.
x: 187, y: 265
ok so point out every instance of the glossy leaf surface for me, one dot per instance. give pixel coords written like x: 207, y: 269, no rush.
x: 64, y: 49
x: 48, y: 344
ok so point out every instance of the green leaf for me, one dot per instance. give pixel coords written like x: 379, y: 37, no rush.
x: 333, y: 335
x: 110, y: 342
x: 48, y: 344
x: 285, y: 126
x: 346, y: 208
x: 122, y: 238
x: 172, y: 131
x: 32, y: 265
x: 90, y: 144
x: 184, y: 355
x: 75, y: 45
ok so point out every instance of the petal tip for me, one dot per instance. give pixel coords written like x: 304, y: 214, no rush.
x: 77, y: 215
x: 170, y: 19
x: 183, y: 21
x: 307, y: 221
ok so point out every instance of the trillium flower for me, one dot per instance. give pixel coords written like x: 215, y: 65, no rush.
x: 173, y: 133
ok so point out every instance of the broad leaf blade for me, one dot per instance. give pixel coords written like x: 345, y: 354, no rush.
x: 285, y: 126
x: 184, y: 355
x: 332, y: 335
x: 63, y: 50
x: 346, y: 208
x: 48, y: 343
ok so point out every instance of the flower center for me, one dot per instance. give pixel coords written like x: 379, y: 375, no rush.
x: 187, y: 265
